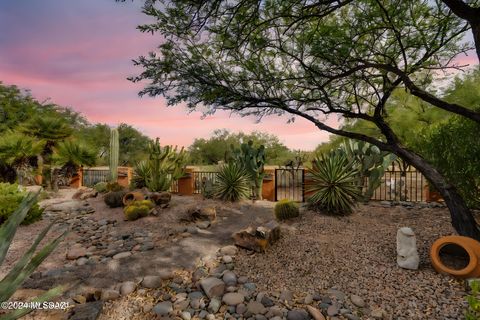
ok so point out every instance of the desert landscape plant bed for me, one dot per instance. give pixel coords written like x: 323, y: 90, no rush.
x: 332, y: 264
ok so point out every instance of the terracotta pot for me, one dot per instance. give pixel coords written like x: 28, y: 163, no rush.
x: 469, y: 245
x: 132, y: 196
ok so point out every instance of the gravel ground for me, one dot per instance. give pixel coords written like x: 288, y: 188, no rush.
x: 357, y: 255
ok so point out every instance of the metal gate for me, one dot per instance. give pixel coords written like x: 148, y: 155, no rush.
x: 93, y: 176
x: 290, y: 184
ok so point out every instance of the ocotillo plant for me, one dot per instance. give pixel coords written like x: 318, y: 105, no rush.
x: 114, y: 154
x: 370, y: 162
x: 253, y: 160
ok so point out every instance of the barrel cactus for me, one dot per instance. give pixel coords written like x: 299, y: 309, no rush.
x: 286, y: 209
x: 138, y: 209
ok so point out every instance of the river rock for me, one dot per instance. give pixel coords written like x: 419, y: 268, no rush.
x: 151, y: 282
x: 315, y: 313
x: 229, y: 250
x: 297, y: 314
x: 76, y: 252
x: 213, y: 287
x: 407, y: 254
x: 233, y: 298
x: 127, y: 287
x: 356, y: 300
x: 255, y: 307
x: 163, y: 308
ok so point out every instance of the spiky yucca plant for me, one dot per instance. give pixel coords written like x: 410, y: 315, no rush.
x: 28, y: 262
x: 334, y: 184
x: 232, y: 183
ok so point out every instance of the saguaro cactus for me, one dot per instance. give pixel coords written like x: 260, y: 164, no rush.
x: 114, y: 154
x: 253, y: 160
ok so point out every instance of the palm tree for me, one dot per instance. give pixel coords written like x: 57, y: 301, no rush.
x: 19, y: 152
x: 51, y: 129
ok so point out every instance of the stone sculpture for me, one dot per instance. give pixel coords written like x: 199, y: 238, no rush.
x: 407, y: 255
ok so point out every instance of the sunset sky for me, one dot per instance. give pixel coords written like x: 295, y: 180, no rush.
x: 78, y: 54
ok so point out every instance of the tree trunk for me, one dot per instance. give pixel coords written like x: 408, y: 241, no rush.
x: 462, y: 218
x: 476, y: 36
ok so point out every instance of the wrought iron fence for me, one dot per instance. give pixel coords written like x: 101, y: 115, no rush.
x: 396, y: 185
x: 200, y: 177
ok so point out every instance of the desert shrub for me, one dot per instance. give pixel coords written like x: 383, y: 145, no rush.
x: 101, y: 187
x: 208, y: 190
x: 114, y: 199
x: 286, y: 209
x: 333, y: 186
x: 114, y: 186
x: 31, y: 259
x: 138, y: 209
x: 233, y: 183
x: 11, y: 195
x: 473, y: 300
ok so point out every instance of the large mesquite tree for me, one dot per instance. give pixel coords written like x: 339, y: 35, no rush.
x: 310, y: 59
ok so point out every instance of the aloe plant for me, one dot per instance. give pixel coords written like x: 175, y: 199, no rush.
x: 29, y: 261
x: 333, y: 184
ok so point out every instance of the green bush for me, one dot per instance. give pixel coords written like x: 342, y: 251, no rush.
x: 333, y: 187
x: 114, y: 199
x: 473, y: 300
x: 286, y: 209
x: 138, y: 209
x: 233, y: 183
x: 101, y: 187
x: 208, y: 190
x: 10, y: 198
x: 452, y: 147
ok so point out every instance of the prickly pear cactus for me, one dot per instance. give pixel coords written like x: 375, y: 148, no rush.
x: 253, y: 160
x: 371, y: 163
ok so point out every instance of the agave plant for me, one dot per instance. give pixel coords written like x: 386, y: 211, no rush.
x: 333, y: 186
x: 232, y: 183
x: 141, y: 173
x: 28, y: 262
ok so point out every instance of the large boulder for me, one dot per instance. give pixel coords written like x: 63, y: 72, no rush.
x: 258, y: 239
x: 407, y: 254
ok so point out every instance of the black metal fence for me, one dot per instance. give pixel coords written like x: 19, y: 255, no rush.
x: 93, y: 176
x: 396, y: 185
x: 401, y: 185
x: 201, y: 177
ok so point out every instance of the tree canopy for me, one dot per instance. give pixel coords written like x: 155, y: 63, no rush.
x: 311, y: 59
x: 218, y: 147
